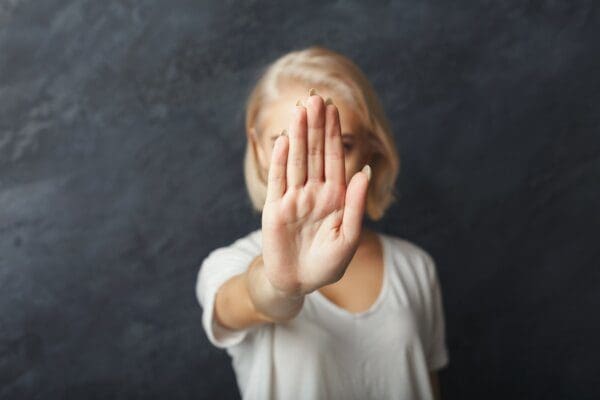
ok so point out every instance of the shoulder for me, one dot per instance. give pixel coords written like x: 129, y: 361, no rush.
x: 231, y: 258
x: 411, y: 258
x: 226, y: 261
x: 249, y: 244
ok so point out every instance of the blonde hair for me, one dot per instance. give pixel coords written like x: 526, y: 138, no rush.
x: 317, y: 66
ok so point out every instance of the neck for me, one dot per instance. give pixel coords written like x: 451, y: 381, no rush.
x: 366, y: 235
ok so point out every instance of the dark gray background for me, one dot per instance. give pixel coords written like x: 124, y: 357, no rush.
x: 121, y: 145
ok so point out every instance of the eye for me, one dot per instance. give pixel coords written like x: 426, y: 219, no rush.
x: 347, y: 146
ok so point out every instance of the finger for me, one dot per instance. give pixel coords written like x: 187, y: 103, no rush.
x: 296, y: 163
x: 316, y: 132
x: 335, y: 169
x: 354, y: 207
x: 276, y: 182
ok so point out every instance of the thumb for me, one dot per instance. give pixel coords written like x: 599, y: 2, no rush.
x: 354, y: 207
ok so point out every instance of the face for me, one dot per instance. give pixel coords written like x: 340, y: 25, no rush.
x: 278, y: 116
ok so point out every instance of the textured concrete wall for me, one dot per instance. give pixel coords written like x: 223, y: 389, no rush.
x: 121, y: 145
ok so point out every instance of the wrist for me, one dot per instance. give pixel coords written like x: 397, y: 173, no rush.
x: 270, y: 304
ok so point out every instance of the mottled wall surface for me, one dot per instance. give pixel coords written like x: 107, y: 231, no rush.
x: 121, y: 145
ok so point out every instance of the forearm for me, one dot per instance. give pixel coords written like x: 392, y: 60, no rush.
x: 248, y: 299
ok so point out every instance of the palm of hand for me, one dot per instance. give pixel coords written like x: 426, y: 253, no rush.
x: 311, y: 220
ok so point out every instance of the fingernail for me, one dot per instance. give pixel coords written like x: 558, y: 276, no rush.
x: 311, y: 92
x: 367, y: 170
x: 328, y: 101
x: 283, y: 133
x: 299, y: 103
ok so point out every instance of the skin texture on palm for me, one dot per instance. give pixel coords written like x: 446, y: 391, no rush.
x: 311, y: 220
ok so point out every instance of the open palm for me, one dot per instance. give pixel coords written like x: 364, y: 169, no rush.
x: 311, y: 221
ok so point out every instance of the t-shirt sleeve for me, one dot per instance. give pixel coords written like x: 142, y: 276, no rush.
x: 437, y: 351
x: 220, y: 265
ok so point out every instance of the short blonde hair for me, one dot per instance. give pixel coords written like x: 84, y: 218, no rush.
x: 317, y: 66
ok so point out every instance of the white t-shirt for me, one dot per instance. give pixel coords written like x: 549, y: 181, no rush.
x: 327, y: 352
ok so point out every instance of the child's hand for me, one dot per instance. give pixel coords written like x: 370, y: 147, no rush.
x: 311, y: 222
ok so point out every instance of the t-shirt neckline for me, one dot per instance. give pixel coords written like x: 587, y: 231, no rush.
x: 382, y: 292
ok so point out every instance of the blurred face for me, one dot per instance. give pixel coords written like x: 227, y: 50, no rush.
x: 278, y: 116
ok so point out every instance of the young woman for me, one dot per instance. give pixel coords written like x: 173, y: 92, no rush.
x: 313, y: 305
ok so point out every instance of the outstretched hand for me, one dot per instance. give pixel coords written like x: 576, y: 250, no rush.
x: 311, y: 220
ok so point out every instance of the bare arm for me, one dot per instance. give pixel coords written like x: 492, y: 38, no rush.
x: 248, y: 299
